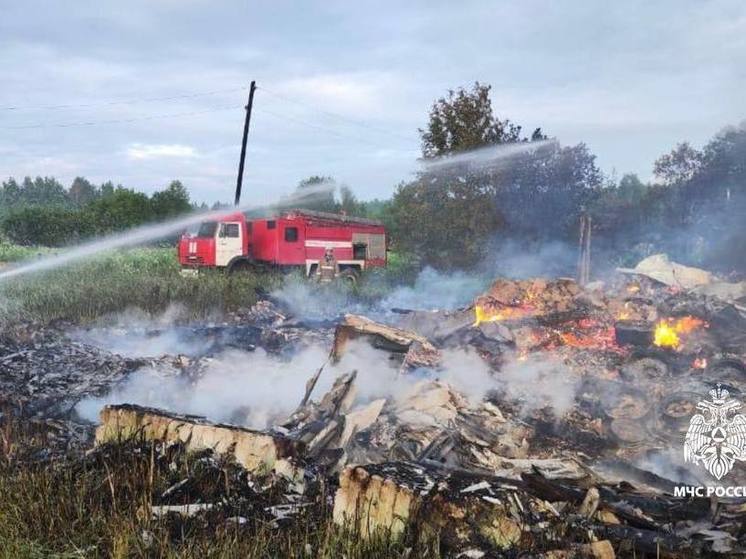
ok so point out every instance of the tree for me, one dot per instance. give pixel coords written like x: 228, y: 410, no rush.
x: 315, y: 193
x: 449, y: 214
x: 678, y: 166
x: 543, y: 192
x: 464, y: 120
x: 170, y: 202
x: 121, y: 209
x: 631, y: 188
x: 48, y: 226
x: 82, y: 192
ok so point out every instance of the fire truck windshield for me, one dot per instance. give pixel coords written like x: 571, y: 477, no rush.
x: 207, y: 229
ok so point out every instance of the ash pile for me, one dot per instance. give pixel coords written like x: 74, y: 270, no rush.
x: 546, y: 419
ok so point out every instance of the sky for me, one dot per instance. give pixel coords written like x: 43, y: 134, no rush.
x: 147, y: 91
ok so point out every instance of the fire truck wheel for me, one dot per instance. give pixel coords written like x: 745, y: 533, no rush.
x: 241, y: 266
x: 349, y: 276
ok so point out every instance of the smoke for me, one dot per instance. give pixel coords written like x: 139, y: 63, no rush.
x: 540, y: 382
x: 669, y: 464
x: 468, y: 373
x: 136, y: 333
x: 435, y: 290
x: 253, y: 389
x: 522, y: 259
x: 313, y: 301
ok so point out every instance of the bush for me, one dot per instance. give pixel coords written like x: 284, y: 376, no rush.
x: 46, y: 226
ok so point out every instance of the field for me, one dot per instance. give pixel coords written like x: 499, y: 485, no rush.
x: 144, y: 278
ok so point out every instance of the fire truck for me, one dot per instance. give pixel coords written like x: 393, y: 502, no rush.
x: 295, y: 239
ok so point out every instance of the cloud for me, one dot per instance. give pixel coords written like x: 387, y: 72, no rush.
x: 158, y: 151
x: 348, y: 92
x: 630, y: 80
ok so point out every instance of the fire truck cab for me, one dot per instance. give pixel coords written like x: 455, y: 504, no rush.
x: 298, y: 239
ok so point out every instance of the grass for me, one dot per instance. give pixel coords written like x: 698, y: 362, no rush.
x: 99, y: 506
x: 15, y: 253
x: 144, y: 278
x: 149, y: 279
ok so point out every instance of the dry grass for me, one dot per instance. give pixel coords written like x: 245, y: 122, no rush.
x: 99, y: 506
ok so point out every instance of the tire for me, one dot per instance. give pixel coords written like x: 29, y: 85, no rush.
x: 242, y: 266
x: 349, y: 276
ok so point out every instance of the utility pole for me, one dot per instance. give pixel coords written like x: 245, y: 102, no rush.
x: 239, y: 181
x: 584, y: 255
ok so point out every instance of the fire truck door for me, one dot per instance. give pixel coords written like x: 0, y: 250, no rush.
x: 228, y: 244
x: 294, y: 244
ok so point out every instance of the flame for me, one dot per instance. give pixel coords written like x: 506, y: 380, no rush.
x: 483, y: 315
x: 667, y: 331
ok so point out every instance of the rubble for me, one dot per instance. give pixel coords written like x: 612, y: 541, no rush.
x: 257, y: 452
x: 417, y: 350
x: 659, y: 268
x: 572, y: 449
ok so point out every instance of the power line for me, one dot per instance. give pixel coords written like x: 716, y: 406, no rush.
x: 118, y: 120
x: 318, y: 127
x: 122, y: 101
x: 338, y: 116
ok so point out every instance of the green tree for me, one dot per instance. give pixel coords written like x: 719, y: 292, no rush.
x: 678, y: 166
x: 47, y: 226
x: 631, y: 188
x: 120, y: 209
x: 170, y: 202
x: 450, y: 212
x: 464, y: 120
x: 81, y: 192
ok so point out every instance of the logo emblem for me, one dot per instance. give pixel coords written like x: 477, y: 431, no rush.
x: 717, y: 437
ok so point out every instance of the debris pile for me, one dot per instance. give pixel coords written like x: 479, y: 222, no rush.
x: 573, y: 448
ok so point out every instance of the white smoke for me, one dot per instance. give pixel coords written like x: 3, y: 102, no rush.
x: 137, y: 333
x: 254, y: 389
x: 308, y: 300
x: 540, y: 382
x: 435, y: 290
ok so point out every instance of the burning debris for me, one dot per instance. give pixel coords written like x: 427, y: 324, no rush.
x: 546, y: 418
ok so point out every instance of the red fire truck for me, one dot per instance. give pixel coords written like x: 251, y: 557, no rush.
x: 299, y: 239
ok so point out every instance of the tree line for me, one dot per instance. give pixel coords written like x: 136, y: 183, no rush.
x: 42, y: 211
x: 526, y: 188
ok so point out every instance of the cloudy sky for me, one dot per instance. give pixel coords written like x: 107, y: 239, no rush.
x: 145, y: 91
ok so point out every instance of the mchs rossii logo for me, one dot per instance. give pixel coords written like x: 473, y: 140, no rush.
x: 716, y: 438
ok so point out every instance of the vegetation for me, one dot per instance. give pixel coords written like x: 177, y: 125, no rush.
x: 479, y: 201
x: 10, y: 252
x: 42, y: 212
x: 145, y: 278
x: 99, y: 506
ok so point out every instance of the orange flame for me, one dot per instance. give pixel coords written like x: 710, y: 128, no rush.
x: 484, y: 315
x: 667, y: 331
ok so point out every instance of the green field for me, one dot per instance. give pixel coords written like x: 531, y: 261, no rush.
x: 143, y: 278
x: 148, y: 279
